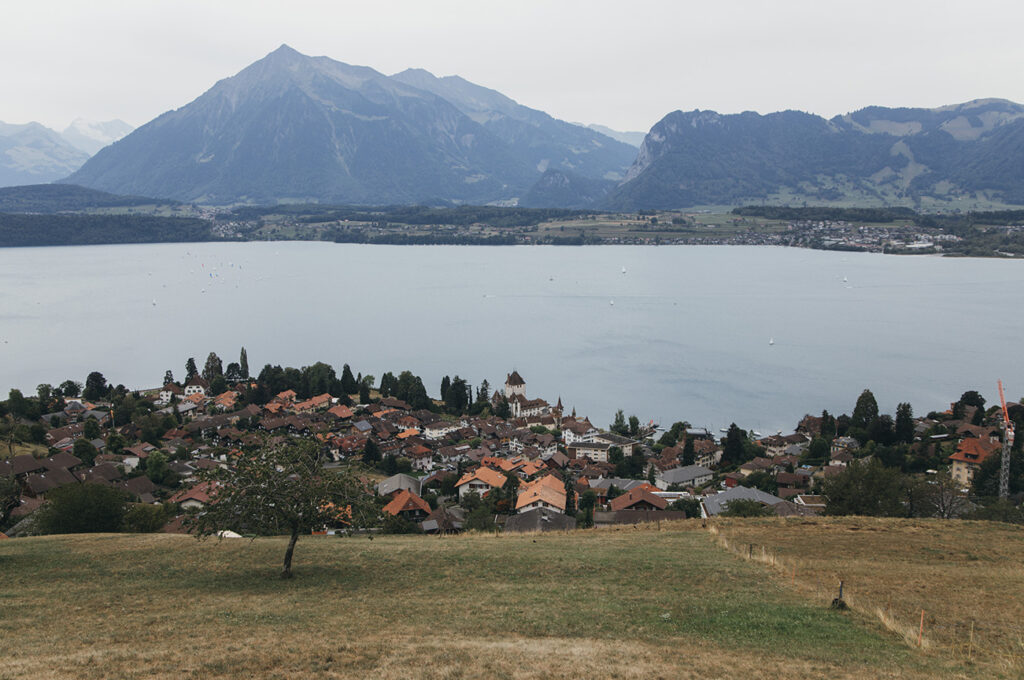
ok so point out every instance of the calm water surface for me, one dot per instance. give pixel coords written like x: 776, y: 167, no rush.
x: 684, y: 333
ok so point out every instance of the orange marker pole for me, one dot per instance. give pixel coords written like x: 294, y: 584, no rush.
x: 920, y: 631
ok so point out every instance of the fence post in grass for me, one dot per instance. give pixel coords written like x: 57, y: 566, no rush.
x: 750, y: 550
x: 920, y: 631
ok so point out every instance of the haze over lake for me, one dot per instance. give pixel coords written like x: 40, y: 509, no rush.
x: 683, y: 333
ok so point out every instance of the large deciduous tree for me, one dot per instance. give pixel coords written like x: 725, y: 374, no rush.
x: 283, y: 489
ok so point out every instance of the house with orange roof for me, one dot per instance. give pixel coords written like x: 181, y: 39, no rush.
x: 286, y: 397
x: 408, y: 505
x: 537, y: 496
x: 195, y: 498
x: 639, y: 498
x: 340, y: 411
x: 969, y: 456
x: 405, y: 434
x: 481, y: 480
x: 313, y: 404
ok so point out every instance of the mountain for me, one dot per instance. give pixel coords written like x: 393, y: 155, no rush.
x: 296, y: 128
x: 634, y: 139
x: 34, y: 154
x: 542, y: 141
x: 53, y: 198
x: 566, y: 189
x: 91, y: 136
x: 876, y: 154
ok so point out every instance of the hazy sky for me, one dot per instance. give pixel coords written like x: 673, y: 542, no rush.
x: 621, y: 63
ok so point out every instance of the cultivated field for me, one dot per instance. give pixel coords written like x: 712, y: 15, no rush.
x: 632, y: 603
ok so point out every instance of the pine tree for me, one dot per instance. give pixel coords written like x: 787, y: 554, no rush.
x: 243, y: 364
x: 190, y: 369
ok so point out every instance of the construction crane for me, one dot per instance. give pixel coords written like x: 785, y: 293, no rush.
x: 1004, y: 469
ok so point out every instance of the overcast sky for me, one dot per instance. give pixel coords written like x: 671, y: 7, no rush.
x: 621, y: 63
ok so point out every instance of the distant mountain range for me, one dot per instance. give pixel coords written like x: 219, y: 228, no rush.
x: 293, y: 128
x: 879, y: 155
x: 32, y: 153
x: 296, y: 128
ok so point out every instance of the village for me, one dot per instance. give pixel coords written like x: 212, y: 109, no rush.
x: 501, y: 461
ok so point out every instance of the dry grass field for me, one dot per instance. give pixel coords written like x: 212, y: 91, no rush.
x: 967, y: 578
x: 647, y: 603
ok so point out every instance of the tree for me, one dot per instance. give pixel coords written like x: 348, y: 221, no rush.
x: 734, y: 451
x: 95, y: 387
x: 233, y: 372
x: 828, y: 426
x: 746, y: 507
x: 446, y: 383
x: 865, y: 411
x: 348, y: 381
x: 634, y: 426
x: 619, y: 425
x: 457, y: 395
x: 10, y: 495
x: 82, y: 508
x: 84, y: 450
x: 904, y: 427
x: 972, y: 398
x: 157, y: 467
x: 283, y: 488
x: 17, y: 404
x: 70, y: 388
x: 691, y: 506
x: 689, y: 454
x: 213, y: 367
x: 865, y: 488
x: 588, y: 501
x: 483, y: 393
x: 243, y: 364
x: 190, y: 369
x: 364, y: 393
x: 371, y: 453
x: 168, y: 377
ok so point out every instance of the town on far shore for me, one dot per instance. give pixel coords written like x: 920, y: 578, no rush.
x: 487, y: 459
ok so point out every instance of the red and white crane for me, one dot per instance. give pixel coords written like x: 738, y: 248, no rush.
x: 1004, y: 468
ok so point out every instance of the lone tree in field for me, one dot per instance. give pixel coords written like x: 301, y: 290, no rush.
x: 283, y: 489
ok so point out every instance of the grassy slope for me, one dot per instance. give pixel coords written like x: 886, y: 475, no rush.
x: 965, y: 576
x: 610, y: 604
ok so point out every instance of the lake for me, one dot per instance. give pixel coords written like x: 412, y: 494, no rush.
x: 711, y: 334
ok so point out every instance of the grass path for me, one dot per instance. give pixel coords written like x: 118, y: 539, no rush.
x: 607, y: 604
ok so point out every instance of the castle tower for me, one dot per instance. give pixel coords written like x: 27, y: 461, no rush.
x: 514, y: 384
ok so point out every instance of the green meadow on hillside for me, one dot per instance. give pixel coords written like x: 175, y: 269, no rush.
x: 630, y: 603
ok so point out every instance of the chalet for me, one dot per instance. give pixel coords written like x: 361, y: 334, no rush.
x: 196, y: 386
x: 168, y: 392
x: 439, y: 429
x: 481, y: 480
x: 577, y: 431
x: 638, y: 498
x: 970, y: 454
x: 408, y: 505
x: 546, y: 493
x: 195, y: 498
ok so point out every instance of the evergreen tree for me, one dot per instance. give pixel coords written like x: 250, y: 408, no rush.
x: 483, y: 394
x: 904, y: 427
x: 364, y: 393
x: 689, y: 454
x: 243, y: 364
x: 371, y: 453
x: 348, y: 381
x: 190, y: 369
x: 828, y: 426
x: 446, y: 384
x: 619, y: 425
x: 168, y: 377
x: 734, y: 452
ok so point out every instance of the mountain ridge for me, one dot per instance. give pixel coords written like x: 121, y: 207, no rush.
x: 292, y: 127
